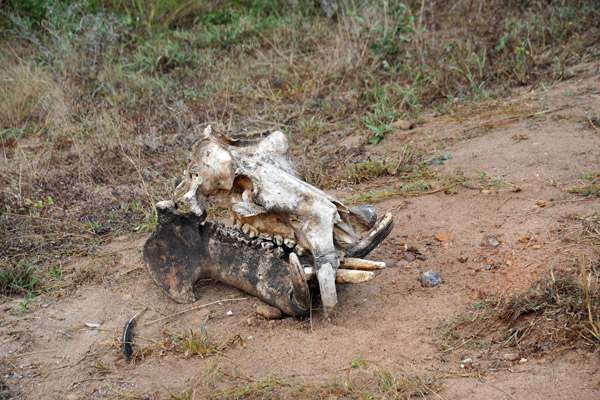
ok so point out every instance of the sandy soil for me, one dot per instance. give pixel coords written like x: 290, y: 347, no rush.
x: 391, y: 321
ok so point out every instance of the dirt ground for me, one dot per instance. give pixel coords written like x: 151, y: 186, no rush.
x: 540, y: 141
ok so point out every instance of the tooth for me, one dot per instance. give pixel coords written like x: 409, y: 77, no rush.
x: 267, y: 245
x: 300, y: 250
x: 277, y: 238
x: 264, y: 236
x: 279, y: 252
x: 255, y: 243
x: 290, y: 243
x: 246, y: 228
x: 253, y: 232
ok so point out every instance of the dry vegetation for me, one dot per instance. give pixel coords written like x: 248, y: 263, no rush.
x: 102, y: 99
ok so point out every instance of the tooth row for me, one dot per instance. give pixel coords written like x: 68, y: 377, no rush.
x: 252, y: 237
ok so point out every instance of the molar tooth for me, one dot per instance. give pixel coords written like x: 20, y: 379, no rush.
x: 264, y: 236
x: 237, y: 223
x: 290, y: 243
x: 246, y: 228
x: 300, y: 250
x: 253, y: 232
x: 279, y: 252
x: 277, y: 238
x: 267, y: 245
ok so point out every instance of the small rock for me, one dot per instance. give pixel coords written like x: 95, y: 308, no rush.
x: 430, y: 279
x: 389, y: 262
x: 251, y: 321
x: 467, y: 363
x: 268, y: 311
x: 203, y: 312
x: 510, y: 356
x: 444, y: 237
x: 487, y: 267
x: 410, y: 257
x: 401, y: 125
x: 462, y: 259
x: 522, y: 361
x: 72, y: 396
x: 493, y: 242
x: 230, y: 313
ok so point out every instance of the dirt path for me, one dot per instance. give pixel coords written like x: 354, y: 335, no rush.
x: 502, y: 240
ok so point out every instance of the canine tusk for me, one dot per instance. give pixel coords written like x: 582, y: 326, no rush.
x: 353, y: 276
x: 343, y: 276
x: 360, y: 264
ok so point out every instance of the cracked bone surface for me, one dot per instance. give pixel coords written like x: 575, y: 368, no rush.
x: 259, y: 185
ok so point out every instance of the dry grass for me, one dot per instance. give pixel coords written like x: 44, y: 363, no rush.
x: 101, y: 103
x: 559, y: 312
x: 31, y: 99
x: 363, y: 379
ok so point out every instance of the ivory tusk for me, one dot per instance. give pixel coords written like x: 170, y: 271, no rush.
x: 353, y: 276
x: 360, y: 264
x: 343, y: 275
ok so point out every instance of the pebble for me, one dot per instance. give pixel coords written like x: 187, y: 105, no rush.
x: 410, y: 257
x: 389, y: 262
x: 510, y: 356
x: 491, y: 242
x: 430, y: 279
x: 251, y: 321
x: 72, y: 396
x: 402, y: 125
x: 268, y: 311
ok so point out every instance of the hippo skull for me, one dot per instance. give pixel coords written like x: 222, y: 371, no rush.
x: 258, y: 184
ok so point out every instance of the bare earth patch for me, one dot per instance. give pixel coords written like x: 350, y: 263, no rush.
x: 513, y: 221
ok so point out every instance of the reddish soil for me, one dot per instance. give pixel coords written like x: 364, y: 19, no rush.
x: 392, y: 320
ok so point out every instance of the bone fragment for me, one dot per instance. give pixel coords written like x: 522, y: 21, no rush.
x: 353, y: 276
x: 360, y: 264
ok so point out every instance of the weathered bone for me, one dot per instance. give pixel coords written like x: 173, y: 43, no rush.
x: 276, y: 211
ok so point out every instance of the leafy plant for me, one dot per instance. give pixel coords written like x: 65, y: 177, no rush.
x: 21, y: 278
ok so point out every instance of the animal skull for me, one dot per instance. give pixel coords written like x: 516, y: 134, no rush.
x: 261, y: 188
